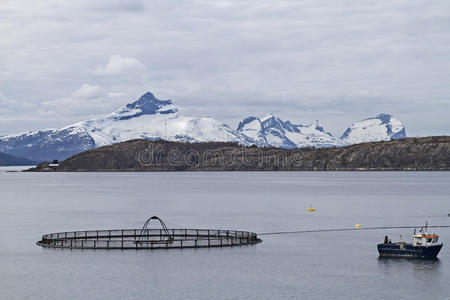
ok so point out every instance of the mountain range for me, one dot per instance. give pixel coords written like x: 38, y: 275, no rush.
x: 9, y: 160
x: 154, y: 119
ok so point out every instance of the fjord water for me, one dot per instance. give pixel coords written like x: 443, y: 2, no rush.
x: 333, y: 265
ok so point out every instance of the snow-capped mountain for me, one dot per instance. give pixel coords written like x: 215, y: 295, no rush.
x: 273, y: 131
x: 383, y: 127
x: 151, y: 118
x: 146, y: 118
x: 47, y: 144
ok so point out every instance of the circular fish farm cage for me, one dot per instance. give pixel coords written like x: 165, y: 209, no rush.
x: 148, y: 239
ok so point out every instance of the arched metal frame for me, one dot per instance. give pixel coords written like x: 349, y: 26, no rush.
x: 167, y: 237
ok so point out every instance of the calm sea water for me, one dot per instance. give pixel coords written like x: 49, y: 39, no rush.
x: 339, y: 265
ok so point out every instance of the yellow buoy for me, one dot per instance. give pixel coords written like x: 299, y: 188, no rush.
x: 311, y: 208
x: 358, y: 225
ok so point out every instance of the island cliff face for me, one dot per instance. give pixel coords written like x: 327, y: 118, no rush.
x: 428, y: 153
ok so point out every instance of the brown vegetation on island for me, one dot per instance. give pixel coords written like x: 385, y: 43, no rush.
x: 427, y: 153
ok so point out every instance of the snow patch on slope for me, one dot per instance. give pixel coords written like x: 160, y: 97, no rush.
x: 383, y: 127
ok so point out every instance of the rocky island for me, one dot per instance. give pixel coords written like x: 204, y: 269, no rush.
x: 416, y: 154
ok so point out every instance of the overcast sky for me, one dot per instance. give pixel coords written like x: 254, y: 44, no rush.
x: 335, y: 61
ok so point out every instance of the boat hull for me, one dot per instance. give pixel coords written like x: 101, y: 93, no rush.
x: 408, y: 250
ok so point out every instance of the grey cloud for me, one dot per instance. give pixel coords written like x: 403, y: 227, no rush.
x: 330, y: 60
x: 5, y: 101
x: 87, y: 100
x: 118, y: 64
x: 119, y: 6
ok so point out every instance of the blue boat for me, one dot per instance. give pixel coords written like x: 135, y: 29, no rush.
x: 425, y: 245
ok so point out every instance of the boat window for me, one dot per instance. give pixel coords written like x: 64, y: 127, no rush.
x: 435, y: 240
x: 428, y: 240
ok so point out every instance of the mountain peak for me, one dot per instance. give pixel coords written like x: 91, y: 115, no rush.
x: 383, y: 115
x: 319, y: 126
x: 383, y: 127
x: 247, y: 121
x: 385, y: 118
x: 147, y: 104
x: 267, y: 117
x: 148, y: 97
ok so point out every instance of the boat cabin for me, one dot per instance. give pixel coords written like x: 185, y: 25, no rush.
x: 422, y: 238
x: 425, y: 239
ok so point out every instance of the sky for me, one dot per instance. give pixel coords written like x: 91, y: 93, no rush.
x: 334, y: 61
